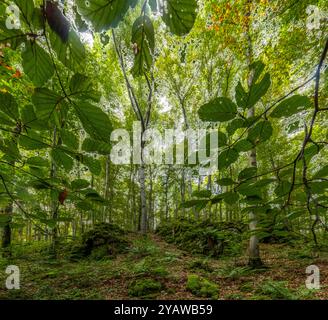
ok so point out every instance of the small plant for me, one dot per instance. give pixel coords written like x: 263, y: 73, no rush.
x: 202, y: 287
x: 144, y: 288
x: 144, y: 247
x: 200, y: 264
x: 276, y: 290
x: 236, y: 272
x: 247, y: 287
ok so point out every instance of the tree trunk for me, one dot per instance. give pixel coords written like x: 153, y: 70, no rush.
x: 254, y: 251
x: 6, y: 231
x: 143, y: 199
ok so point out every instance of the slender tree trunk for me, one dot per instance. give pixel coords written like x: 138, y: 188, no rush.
x: 254, y: 250
x: 143, y: 199
x: 54, y: 204
x: 6, y: 231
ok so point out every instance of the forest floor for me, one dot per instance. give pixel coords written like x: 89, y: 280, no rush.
x: 152, y: 258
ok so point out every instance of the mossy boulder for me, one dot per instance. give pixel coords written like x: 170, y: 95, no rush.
x: 202, y: 287
x: 104, y: 240
x: 144, y: 288
x: 206, y: 237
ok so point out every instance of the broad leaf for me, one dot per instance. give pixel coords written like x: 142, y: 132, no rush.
x: 104, y: 14
x: 143, y: 39
x: 261, y: 132
x: 179, y: 15
x: 219, y: 109
x: 37, y: 64
x: 290, y: 106
x: 95, y: 121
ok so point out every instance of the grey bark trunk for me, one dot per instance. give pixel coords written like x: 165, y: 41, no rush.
x: 143, y: 199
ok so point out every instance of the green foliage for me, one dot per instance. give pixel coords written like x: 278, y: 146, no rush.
x: 276, y: 290
x: 144, y: 288
x: 203, y: 237
x: 103, y: 14
x: 290, y: 106
x: 180, y: 15
x: 143, y: 38
x: 102, y: 241
x: 37, y: 64
x: 219, y: 109
x: 202, y: 287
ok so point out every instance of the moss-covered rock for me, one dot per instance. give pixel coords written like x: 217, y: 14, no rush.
x: 214, y: 239
x: 202, y: 287
x: 144, y: 288
x: 104, y: 240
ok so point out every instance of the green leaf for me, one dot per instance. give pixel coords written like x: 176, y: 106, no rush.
x: 219, y: 109
x: 247, y: 100
x: 93, y: 165
x: 9, y: 106
x: 69, y: 139
x: 37, y: 64
x: 241, y: 96
x: 79, y: 184
x: 283, y: 188
x: 104, y: 14
x: 231, y: 198
x: 143, y: 39
x: 71, y: 53
x: 227, y: 157
x: 258, y: 90
x: 62, y: 159
x: 247, y: 173
x: 12, y: 36
x: 319, y: 187
x: 321, y: 173
x: 222, y: 139
x: 30, y: 119
x: 290, y: 106
x: 261, y: 132
x: 235, y: 125
x: 263, y: 183
x: 179, y: 15
x: 200, y: 203
x: 32, y: 141
x: 91, y: 145
x: 81, y: 88
x: 37, y: 162
x: 202, y: 194
x: 244, y: 145
x: 311, y: 151
x: 9, y: 147
x: 95, y: 121
x: 45, y: 102
x: 225, y: 182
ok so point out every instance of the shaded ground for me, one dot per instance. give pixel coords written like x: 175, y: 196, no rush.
x: 152, y: 258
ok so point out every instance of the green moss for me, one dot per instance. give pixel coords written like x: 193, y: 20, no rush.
x: 214, y: 239
x: 202, y: 287
x: 144, y: 288
x: 104, y: 240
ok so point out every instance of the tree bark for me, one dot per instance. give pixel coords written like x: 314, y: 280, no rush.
x: 143, y: 199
